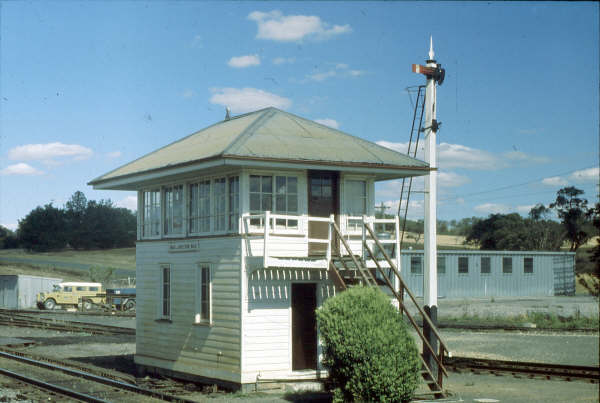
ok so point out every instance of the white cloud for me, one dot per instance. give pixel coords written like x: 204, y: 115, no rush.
x: 114, y: 154
x: 586, y: 175
x: 129, y: 202
x: 415, y: 208
x: 240, y: 62
x: 340, y: 71
x: 328, y: 122
x: 242, y: 100
x: 284, y: 60
x: 188, y: 93
x: 555, y: 181
x: 492, y: 208
x: 292, y: 28
x: 49, y: 152
x: 460, y: 156
x: 198, y: 42
x: 11, y: 226
x: 20, y: 169
x: 451, y: 179
x: 524, y: 209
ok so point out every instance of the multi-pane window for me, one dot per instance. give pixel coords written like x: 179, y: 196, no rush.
x: 199, y: 207
x: 203, y: 288
x: 416, y: 265
x: 528, y: 265
x: 355, y: 199
x: 151, y: 217
x: 463, y: 265
x: 486, y: 265
x: 233, y: 184
x: 165, y: 291
x: 441, y: 265
x: 507, y: 265
x: 284, y: 199
x: 173, y: 210
x: 220, y: 200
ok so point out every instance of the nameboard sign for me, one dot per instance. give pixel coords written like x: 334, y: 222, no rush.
x: 184, y: 246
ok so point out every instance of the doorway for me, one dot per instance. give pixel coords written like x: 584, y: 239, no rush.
x: 304, y: 326
x: 323, y: 200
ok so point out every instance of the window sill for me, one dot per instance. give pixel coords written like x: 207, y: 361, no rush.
x: 163, y: 320
x: 203, y: 324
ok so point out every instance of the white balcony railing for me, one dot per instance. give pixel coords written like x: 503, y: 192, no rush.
x: 267, y: 224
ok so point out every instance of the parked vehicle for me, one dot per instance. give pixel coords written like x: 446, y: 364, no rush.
x: 72, y: 294
x: 122, y: 299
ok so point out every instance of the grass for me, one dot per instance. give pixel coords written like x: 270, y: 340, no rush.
x: 122, y: 258
x: 540, y: 319
x: 43, y: 271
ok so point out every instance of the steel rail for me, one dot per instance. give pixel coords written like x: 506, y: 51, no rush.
x: 547, y: 370
x: 52, y: 387
x: 95, y: 378
x: 59, y: 324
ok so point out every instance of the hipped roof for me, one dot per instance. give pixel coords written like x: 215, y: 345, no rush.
x: 265, y: 135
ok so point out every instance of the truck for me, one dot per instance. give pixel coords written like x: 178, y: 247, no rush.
x: 72, y: 294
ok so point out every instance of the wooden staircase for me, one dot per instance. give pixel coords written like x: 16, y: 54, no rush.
x: 347, y: 269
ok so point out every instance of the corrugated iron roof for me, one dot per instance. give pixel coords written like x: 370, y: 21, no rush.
x: 269, y: 134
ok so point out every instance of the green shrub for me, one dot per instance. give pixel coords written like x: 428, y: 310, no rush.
x: 368, y: 350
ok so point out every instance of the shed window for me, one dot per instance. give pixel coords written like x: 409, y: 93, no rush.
x: 507, y: 265
x: 486, y: 266
x: 199, y: 207
x: 174, y: 210
x: 416, y: 265
x: 151, y: 214
x: 165, y: 291
x: 463, y: 265
x: 528, y: 265
x: 203, y: 297
x: 355, y: 200
x: 441, y: 265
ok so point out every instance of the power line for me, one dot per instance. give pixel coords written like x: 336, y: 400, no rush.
x: 513, y: 186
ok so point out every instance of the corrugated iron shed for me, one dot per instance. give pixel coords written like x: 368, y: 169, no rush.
x: 269, y: 135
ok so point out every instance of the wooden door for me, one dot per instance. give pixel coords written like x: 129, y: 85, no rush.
x: 304, y: 326
x: 323, y: 200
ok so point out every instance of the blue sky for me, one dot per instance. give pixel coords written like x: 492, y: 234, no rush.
x: 88, y: 86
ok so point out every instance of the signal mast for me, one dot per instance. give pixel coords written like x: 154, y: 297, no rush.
x: 435, y: 76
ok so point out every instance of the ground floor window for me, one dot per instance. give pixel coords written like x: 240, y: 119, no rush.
x: 528, y: 265
x: 441, y: 265
x: 165, y: 291
x: 486, y: 266
x: 203, y: 297
x: 416, y: 265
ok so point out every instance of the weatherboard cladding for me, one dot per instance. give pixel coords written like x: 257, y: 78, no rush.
x: 269, y: 134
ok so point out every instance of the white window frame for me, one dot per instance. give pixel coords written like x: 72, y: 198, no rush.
x: 233, y: 211
x: 161, y: 291
x: 192, y: 216
x: 151, y: 206
x: 282, y: 229
x: 353, y: 226
x: 168, y: 217
x: 199, y: 318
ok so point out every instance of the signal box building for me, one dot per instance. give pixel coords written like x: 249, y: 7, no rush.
x: 235, y: 242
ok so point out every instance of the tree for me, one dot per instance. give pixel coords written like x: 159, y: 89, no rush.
x: 513, y: 232
x: 75, y: 210
x: 368, y: 350
x: 43, y: 229
x: 8, y: 239
x: 574, y: 214
x: 595, y: 252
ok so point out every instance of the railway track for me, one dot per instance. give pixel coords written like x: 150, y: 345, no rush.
x: 82, y: 385
x: 25, y: 320
x: 531, y: 369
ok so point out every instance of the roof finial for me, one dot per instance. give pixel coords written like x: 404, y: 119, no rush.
x: 431, y: 54
x: 227, y: 113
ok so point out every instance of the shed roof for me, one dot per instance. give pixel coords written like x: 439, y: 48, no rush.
x: 268, y: 135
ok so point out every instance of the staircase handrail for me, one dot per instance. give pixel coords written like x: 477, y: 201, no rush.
x: 356, y: 263
x: 403, y: 284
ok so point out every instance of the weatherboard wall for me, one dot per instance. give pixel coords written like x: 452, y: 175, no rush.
x: 178, y: 343
x: 553, y: 274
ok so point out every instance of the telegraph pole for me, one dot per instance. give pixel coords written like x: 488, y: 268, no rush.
x: 435, y: 75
